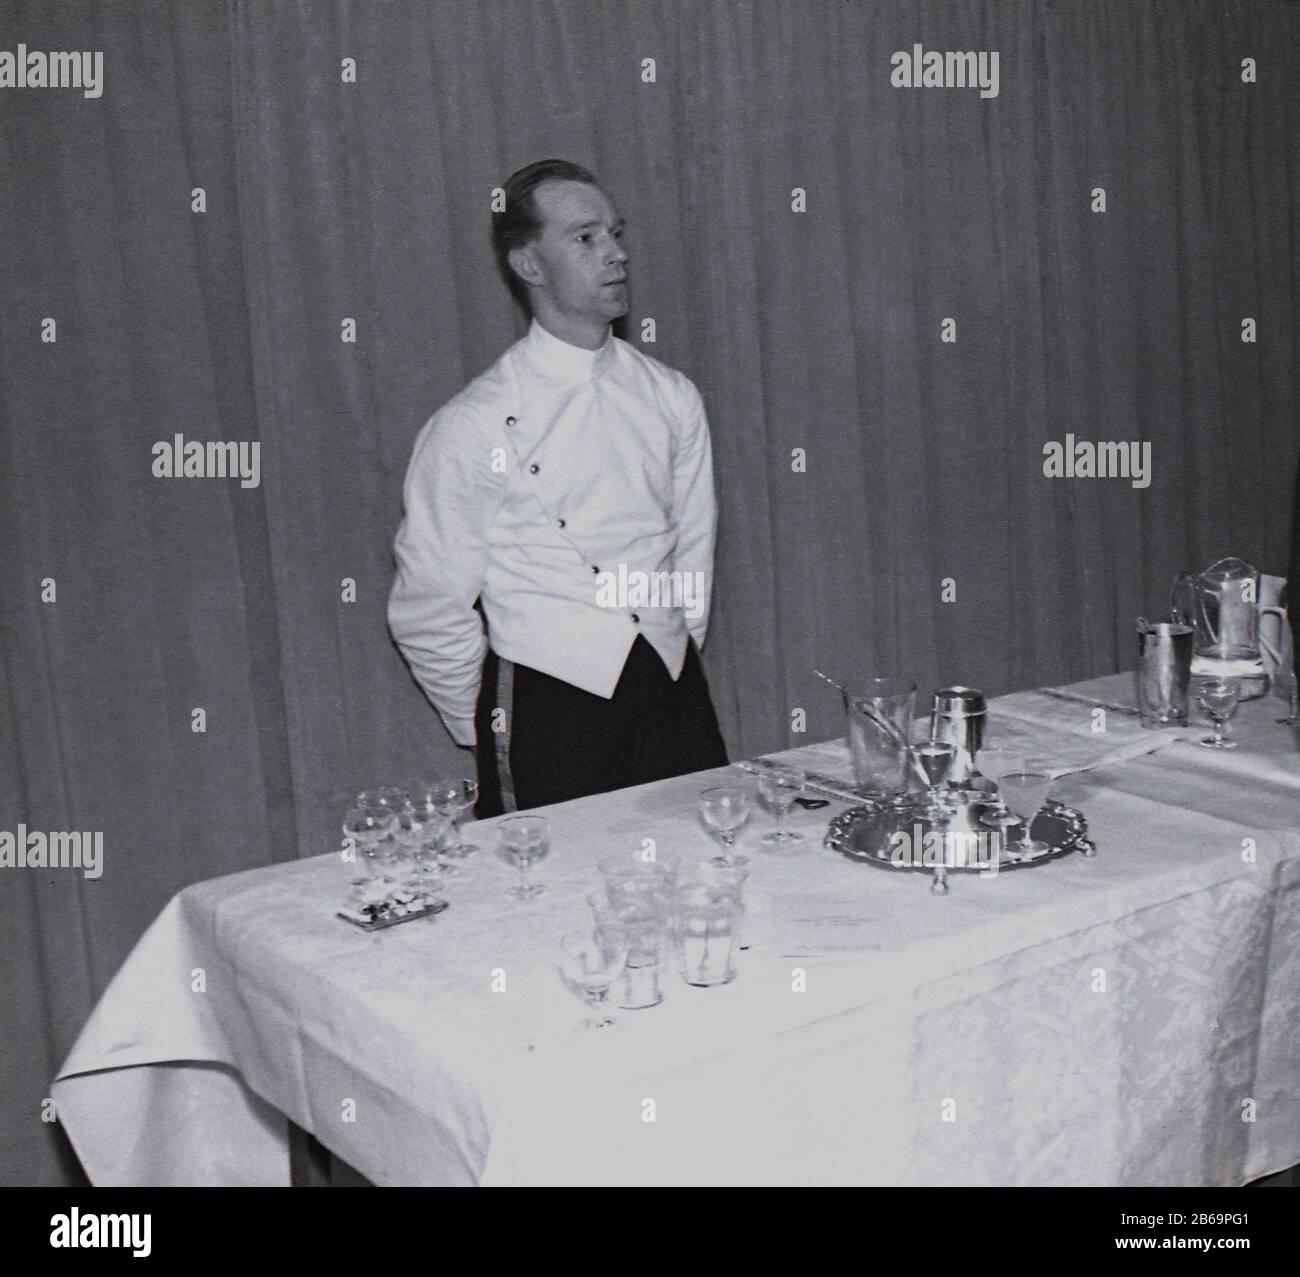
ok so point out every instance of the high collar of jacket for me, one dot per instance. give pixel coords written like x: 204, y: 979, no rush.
x: 564, y: 360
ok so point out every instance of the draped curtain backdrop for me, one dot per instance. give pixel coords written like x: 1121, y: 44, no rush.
x: 920, y: 462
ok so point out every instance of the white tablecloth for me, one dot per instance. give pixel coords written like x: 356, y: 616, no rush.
x: 1130, y: 1019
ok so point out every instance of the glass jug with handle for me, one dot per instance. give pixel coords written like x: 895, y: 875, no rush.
x: 1222, y: 604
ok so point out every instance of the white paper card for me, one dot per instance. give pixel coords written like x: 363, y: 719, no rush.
x: 807, y: 925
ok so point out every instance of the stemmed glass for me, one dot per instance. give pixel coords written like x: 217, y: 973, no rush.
x: 1025, y: 792
x: 436, y: 811
x: 1218, y: 698
x: 525, y: 840
x: 779, y: 787
x: 454, y: 798
x: 422, y: 830
x: 383, y: 798
x: 934, y: 757
x: 367, y: 829
x: 725, y: 809
x: 995, y: 763
x: 590, y: 963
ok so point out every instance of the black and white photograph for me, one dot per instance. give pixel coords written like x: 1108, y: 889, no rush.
x: 650, y: 594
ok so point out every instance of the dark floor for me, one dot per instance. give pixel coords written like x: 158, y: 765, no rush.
x: 1283, y: 1179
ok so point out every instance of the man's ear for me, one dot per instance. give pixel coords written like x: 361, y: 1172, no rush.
x: 524, y: 263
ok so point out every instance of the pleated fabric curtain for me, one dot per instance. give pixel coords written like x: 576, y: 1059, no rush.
x: 801, y: 231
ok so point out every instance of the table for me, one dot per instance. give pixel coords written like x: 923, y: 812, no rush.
x: 1130, y: 1019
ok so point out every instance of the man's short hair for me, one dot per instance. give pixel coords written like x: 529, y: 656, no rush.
x: 519, y: 223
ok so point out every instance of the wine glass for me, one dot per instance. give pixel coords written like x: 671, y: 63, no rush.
x: 454, y: 798
x: 1025, y: 793
x: 934, y: 757
x: 590, y: 963
x: 1218, y: 698
x: 525, y: 840
x: 995, y: 763
x: 779, y: 787
x: 725, y: 809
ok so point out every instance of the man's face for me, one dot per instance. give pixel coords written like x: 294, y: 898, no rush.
x: 579, y: 259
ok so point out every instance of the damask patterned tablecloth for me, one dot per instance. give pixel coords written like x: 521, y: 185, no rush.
x: 1129, y: 1019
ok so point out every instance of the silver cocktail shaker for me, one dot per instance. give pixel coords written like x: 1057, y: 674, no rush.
x: 957, y: 717
x: 1164, y: 673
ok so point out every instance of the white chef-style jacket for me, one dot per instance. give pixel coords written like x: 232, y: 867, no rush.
x: 557, y: 471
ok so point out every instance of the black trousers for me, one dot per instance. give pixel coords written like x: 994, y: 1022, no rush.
x: 558, y: 742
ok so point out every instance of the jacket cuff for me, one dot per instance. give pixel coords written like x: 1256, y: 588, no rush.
x: 462, y: 731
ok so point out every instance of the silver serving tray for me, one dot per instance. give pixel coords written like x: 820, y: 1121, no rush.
x: 381, y: 919
x: 867, y: 834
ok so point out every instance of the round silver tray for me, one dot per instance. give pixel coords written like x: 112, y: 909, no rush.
x: 869, y: 834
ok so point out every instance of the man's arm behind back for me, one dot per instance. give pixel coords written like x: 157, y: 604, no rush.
x: 450, y: 497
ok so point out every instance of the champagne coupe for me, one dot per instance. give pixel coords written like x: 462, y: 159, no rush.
x: 423, y: 828
x: 934, y: 757
x: 367, y: 829
x: 437, y: 797
x: 994, y: 763
x: 590, y: 963
x: 387, y: 798
x: 525, y: 840
x: 1218, y: 698
x: 1025, y: 793
x: 454, y: 798
x: 725, y: 809
x: 779, y: 787
x: 384, y: 855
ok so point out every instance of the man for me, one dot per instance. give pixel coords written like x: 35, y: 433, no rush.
x: 568, y: 492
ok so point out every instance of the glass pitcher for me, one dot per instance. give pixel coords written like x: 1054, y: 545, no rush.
x: 880, y: 712
x: 1222, y: 604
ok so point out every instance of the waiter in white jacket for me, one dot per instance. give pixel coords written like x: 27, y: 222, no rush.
x: 566, y: 495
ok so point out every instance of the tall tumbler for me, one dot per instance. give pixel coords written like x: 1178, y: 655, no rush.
x: 707, y: 920
x: 1164, y: 673
x: 879, y: 712
x: 646, y: 921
